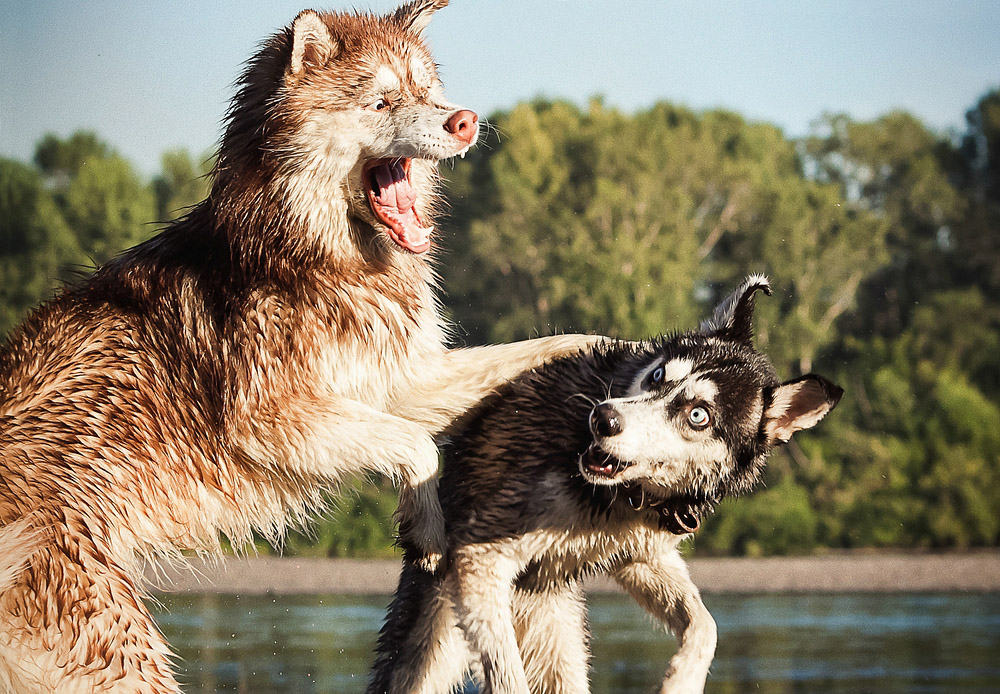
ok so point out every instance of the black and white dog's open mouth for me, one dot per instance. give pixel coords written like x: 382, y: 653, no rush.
x: 600, y: 464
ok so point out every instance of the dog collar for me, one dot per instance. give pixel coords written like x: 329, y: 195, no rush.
x: 679, y: 522
x: 676, y: 517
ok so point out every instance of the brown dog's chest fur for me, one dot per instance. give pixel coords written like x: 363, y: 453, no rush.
x: 156, y: 355
x: 362, y: 336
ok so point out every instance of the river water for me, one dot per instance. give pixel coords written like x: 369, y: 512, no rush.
x: 842, y: 644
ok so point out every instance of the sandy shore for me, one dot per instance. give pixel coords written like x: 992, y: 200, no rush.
x: 851, y: 573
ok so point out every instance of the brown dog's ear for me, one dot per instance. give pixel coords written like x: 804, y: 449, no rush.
x: 415, y: 16
x: 312, y: 43
x: 799, y: 404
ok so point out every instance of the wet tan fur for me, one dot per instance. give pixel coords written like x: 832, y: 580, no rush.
x: 221, y: 377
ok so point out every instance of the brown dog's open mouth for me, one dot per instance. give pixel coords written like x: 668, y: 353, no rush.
x: 601, y: 464
x: 393, y: 200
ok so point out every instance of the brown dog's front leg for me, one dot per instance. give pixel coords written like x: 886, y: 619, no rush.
x: 461, y: 377
x: 335, y: 438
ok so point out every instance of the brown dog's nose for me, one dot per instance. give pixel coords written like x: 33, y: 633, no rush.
x: 605, y: 420
x: 464, y: 125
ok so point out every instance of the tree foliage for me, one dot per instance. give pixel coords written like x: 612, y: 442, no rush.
x: 79, y: 205
x: 359, y: 522
x: 35, y: 242
x: 182, y: 184
x: 632, y: 225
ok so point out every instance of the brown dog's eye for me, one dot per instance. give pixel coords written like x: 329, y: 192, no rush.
x: 378, y: 105
x: 698, y: 417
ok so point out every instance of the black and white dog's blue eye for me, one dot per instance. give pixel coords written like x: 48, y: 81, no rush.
x: 698, y: 417
x: 657, y: 377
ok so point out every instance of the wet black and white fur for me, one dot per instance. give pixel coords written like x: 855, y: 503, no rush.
x: 597, y: 463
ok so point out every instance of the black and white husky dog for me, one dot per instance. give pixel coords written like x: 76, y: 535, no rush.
x: 597, y: 463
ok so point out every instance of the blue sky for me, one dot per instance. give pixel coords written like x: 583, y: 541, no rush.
x: 149, y: 76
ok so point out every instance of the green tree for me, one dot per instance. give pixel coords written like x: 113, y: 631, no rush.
x: 103, y: 199
x: 181, y: 184
x: 633, y: 225
x: 108, y: 207
x: 82, y: 205
x: 61, y: 159
x: 568, y: 224
x: 974, y: 242
x: 778, y: 520
x: 360, y: 523
x: 895, y: 168
x: 918, y: 462
x: 914, y: 465
x: 816, y: 249
x: 36, y: 244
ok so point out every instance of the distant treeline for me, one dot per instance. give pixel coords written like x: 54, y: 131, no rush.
x: 881, y: 239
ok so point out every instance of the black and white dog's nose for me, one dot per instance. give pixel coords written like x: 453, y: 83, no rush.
x: 605, y: 420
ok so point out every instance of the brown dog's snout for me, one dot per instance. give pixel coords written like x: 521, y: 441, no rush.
x: 464, y: 125
x: 605, y: 420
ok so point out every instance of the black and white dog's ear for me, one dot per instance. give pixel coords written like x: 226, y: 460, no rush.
x: 416, y: 15
x: 733, y: 318
x: 798, y: 404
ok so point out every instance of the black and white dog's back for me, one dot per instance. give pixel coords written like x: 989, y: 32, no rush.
x: 597, y: 463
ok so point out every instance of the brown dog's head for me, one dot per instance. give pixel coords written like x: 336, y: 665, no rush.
x: 343, y: 116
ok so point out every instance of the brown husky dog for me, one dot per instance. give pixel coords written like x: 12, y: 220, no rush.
x: 219, y: 378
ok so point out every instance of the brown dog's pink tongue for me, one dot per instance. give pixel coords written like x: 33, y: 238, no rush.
x: 394, y: 205
x: 394, y: 187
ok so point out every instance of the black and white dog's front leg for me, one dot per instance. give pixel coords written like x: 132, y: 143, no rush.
x: 483, y: 592
x: 551, y: 623
x: 663, y: 587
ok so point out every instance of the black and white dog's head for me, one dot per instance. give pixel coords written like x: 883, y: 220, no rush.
x: 703, y: 412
